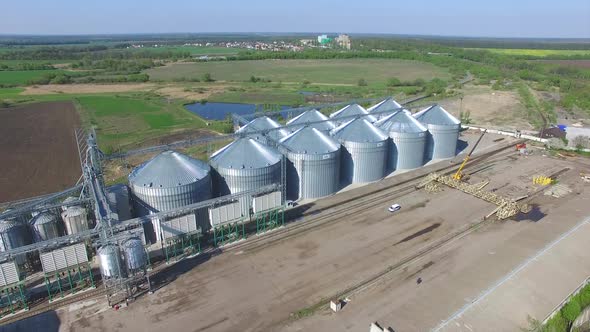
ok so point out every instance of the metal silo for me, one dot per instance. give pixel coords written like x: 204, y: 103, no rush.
x: 14, y: 234
x: 264, y: 123
x: 313, y: 169
x: 348, y: 111
x: 408, y: 136
x: 135, y: 255
x: 364, y: 151
x: 306, y: 117
x: 169, y: 180
x: 245, y: 164
x: 108, y: 259
x: 75, y: 219
x: 45, y: 226
x: 384, y: 108
x: 443, y: 129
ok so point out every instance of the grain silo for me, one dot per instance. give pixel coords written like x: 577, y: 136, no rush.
x: 245, y: 164
x: 313, y: 169
x: 264, y: 123
x: 45, y: 226
x: 75, y: 219
x: 14, y: 234
x: 347, y: 113
x: 307, y: 118
x: 443, y: 129
x: 408, y: 136
x: 363, y: 153
x: 384, y: 108
x: 109, y: 260
x: 135, y: 255
x: 168, y: 181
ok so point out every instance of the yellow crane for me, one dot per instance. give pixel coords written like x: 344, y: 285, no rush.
x: 459, y: 174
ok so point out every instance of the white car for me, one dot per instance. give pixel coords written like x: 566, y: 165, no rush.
x: 394, y: 207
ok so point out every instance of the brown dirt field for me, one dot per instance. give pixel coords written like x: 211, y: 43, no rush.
x: 85, y: 88
x: 38, y: 147
x: 190, y: 93
x: 572, y: 63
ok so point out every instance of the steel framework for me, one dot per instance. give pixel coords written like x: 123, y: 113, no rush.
x: 13, y: 298
x: 68, y: 281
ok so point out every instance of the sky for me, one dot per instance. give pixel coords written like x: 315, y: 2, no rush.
x: 472, y: 18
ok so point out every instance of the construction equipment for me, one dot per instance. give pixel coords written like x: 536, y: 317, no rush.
x: 459, y: 174
x: 542, y: 180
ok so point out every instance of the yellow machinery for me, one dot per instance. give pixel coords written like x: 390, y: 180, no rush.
x: 542, y: 180
x: 459, y: 174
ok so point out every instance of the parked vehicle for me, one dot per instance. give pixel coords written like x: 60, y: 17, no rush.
x: 394, y: 207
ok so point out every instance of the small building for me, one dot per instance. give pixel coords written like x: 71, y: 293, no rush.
x: 344, y: 41
x: 324, y: 39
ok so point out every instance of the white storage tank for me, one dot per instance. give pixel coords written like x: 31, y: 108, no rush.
x: 135, y: 255
x: 313, y: 167
x: 364, y: 151
x: 75, y: 219
x: 443, y: 132
x: 45, y: 226
x: 245, y: 164
x: 384, y: 108
x: 408, y: 136
x: 308, y: 118
x: 348, y: 113
x: 264, y: 123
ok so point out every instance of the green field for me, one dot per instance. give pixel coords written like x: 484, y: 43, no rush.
x: 534, y: 52
x: 335, y: 72
x: 21, y: 77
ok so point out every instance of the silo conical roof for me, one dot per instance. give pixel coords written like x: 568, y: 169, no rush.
x: 350, y: 110
x: 245, y: 153
x: 359, y: 130
x: 310, y: 141
x: 169, y: 169
x: 264, y: 123
x: 400, y: 122
x: 436, y: 115
x: 312, y: 116
x: 388, y: 104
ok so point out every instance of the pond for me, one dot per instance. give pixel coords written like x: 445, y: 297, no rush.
x: 220, y: 111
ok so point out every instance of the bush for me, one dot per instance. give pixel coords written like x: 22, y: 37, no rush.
x: 572, y: 309
x: 207, y: 78
x: 362, y: 82
x: 393, y: 82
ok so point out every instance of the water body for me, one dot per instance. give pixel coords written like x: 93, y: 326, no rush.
x: 220, y: 111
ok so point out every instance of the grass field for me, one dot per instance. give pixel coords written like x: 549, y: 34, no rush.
x: 21, y: 77
x: 347, y: 71
x: 535, y: 52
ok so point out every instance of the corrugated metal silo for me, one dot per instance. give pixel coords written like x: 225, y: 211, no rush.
x: 443, y: 129
x: 408, y: 136
x: 135, y: 255
x: 264, y: 123
x: 14, y: 234
x: 45, y: 226
x: 75, y: 219
x: 109, y: 260
x: 245, y: 164
x: 169, y: 180
x: 384, y: 108
x: 306, y: 117
x: 313, y: 169
x: 364, y: 151
x: 350, y: 110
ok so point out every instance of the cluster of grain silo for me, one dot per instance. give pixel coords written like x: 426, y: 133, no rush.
x: 443, y: 132
x: 408, y: 136
x: 364, y: 151
x: 307, y: 118
x: 125, y: 259
x: 348, y: 112
x: 313, y: 169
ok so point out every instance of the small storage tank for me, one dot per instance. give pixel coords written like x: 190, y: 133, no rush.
x: 347, y: 113
x: 75, y: 219
x: 408, y: 136
x: 108, y: 259
x: 45, y: 226
x: 443, y: 132
x: 14, y: 234
x: 68, y: 199
x: 119, y: 202
x: 264, y: 123
x: 363, y: 153
x: 135, y: 255
x: 313, y: 167
x: 384, y: 108
x: 306, y: 118
x: 169, y: 180
x: 245, y: 164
